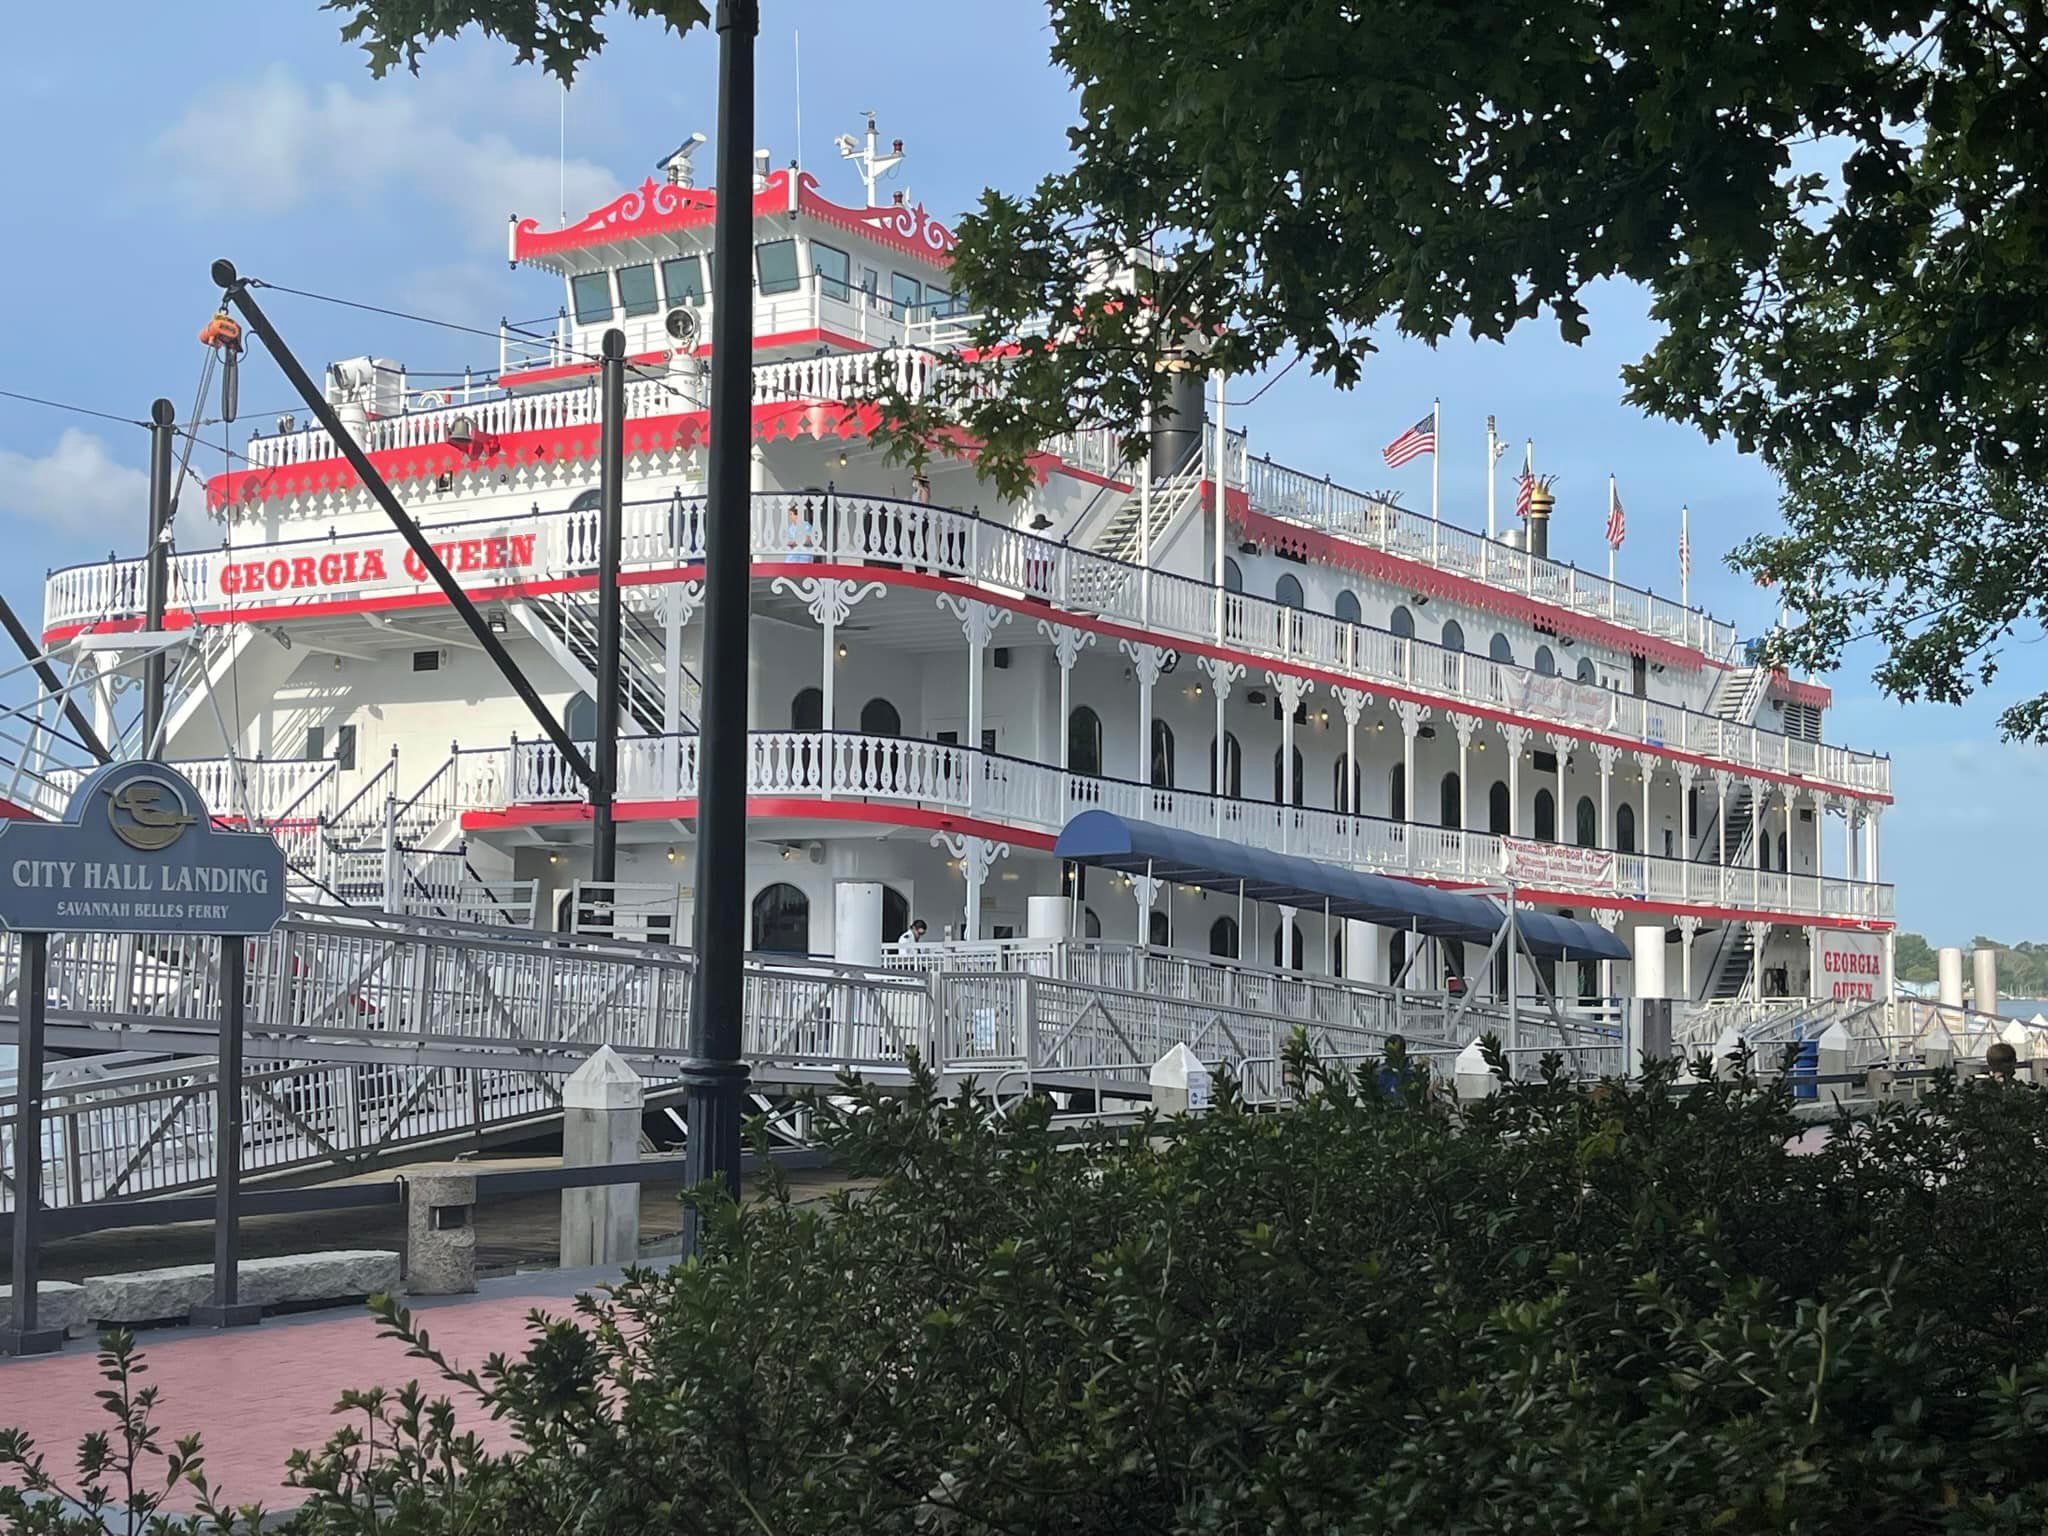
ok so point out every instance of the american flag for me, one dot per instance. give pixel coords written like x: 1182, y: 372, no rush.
x: 1617, y: 524
x: 1412, y: 444
x: 1525, y: 493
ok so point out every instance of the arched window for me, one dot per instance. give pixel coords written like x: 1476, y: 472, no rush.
x: 579, y: 718
x: 1397, y: 792
x: 1588, y: 817
x: 1500, y: 820
x: 1402, y: 623
x: 1280, y: 796
x: 878, y: 717
x: 1451, y: 802
x: 1588, y: 673
x: 1158, y: 930
x: 1354, y: 801
x: 1084, y: 742
x: 1294, y: 938
x: 1500, y: 650
x: 1546, y: 816
x: 1091, y: 925
x: 1454, y: 635
x: 1233, y: 766
x: 895, y: 912
x: 1162, y: 755
x: 1287, y: 592
x: 1233, y: 578
x: 1223, y: 938
x: 1784, y: 864
x: 782, y: 921
x: 807, y: 710
x: 1347, y: 609
x: 1546, y: 664
x: 1625, y: 827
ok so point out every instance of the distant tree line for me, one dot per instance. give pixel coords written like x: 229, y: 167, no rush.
x: 2022, y: 968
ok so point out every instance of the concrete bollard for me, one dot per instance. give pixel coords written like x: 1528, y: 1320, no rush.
x: 1730, y: 1052
x: 601, y: 1108
x: 1472, y: 1077
x: 1831, y: 1059
x: 1180, y: 1083
x: 1878, y: 1083
x: 440, y: 1231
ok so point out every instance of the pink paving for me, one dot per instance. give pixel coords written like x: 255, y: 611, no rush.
x: 256, y: 1395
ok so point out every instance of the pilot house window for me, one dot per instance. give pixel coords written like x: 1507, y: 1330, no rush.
x: 835, y: 271
x: 776, y: 262
x: 591, y: 293
x: 636, y: 290
x: 683, y: 279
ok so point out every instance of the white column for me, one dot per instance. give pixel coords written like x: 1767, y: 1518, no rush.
x: 1221, y: 489
x: 828, y: 601
x: 1648, y: 763
x: 1721, y: 822
x: 1848, y: 839
x: 1291, y: 691
x: 1758, y: 933
x: 757, y: 470
x: 1147, y: 662
x: 1870, y: 814
x: 1689, y: 930
x: 1223, y: 676
x: 1411, y: 717
x: 1464, y: 725
x: 978, y: 620
x: 975, y: 854
x: 857, y: 922
x: 1606, y: 756
x: 1517, y: 739
x: 1067, y: 642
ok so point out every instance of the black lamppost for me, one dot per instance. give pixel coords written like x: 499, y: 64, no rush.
x: 715, y: 1075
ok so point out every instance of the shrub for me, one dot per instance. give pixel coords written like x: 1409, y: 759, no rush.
x: 1615, y: 1308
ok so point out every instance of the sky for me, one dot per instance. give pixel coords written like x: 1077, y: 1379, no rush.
x: 151, y: 139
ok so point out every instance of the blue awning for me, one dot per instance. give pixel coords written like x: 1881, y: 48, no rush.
x: 1105, y: 840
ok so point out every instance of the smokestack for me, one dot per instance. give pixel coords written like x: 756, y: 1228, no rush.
x: 1540, y: 504
x: 1177, y: 429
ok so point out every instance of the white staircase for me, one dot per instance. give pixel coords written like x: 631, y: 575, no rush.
x: 565, y: 624
x: 1738, y: 694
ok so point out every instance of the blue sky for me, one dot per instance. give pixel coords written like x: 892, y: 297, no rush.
x: 151, y: 139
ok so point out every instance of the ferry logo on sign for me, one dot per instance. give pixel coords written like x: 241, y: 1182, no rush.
x: 137, y: 853
x: 148, y: 813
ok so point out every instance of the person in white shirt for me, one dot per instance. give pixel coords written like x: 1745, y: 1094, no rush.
x: 914, y: 934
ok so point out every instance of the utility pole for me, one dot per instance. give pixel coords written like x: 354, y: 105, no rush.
x: 714, y: 1076
x: 611, y: 449
x: 156, y: 567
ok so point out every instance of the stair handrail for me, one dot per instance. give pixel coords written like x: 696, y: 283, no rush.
x: 341, y: 815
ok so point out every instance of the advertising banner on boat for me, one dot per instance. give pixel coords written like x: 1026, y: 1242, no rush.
x: 137, y: 852
x: 377, y: 563
x: 1554, y: 697
x: 1555, y: 865
x: 1848, y: 965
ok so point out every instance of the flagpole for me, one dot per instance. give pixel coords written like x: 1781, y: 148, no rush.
x: 1610, y: 542
x: 1685, y: 567
x: 1492, y: 453
x: 1436, y: 456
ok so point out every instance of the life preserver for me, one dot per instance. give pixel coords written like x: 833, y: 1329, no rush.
x: 433, y: 400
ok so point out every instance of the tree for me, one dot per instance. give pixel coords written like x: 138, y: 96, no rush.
x: 1833, y: 205
x: 1571, y: 1307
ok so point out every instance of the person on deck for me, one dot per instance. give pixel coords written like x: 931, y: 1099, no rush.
x: 914, y: 934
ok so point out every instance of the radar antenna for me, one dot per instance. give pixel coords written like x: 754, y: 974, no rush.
x: 869, y: 158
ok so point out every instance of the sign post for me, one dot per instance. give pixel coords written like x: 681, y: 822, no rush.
x: 135, y: 854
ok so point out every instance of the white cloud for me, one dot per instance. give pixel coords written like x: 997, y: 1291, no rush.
x: 78, y: 488
x: 279, y: 144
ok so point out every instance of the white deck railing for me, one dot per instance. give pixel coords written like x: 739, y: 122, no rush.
x: 882, y: 530
x: 1300, y: 498
x: 940, y: 776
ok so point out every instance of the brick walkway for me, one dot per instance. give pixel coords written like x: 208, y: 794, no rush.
x: 255, y: 1395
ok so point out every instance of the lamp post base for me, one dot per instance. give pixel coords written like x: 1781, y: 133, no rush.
x: 31, y: 1341
x: 233, y: 1314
